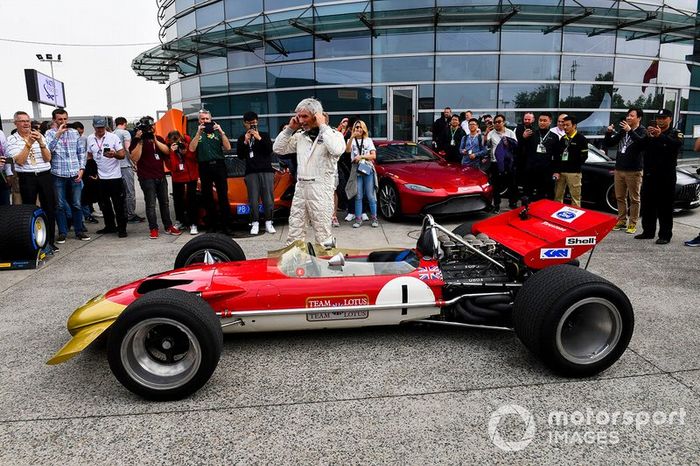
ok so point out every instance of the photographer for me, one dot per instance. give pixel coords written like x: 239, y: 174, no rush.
x: 209, y: 144
x: 107, y: 150
x: 184, y: 173
x: 148, y: 151
x: 255, y: 148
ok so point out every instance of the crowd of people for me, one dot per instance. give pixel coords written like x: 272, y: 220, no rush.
x: 67, y: 172
x: 541, y: 161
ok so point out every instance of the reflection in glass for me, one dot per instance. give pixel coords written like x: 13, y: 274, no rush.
x: 244, y: 102
x: 218, y: 106
x: 185, y: 25
x: 403, y: 69
x: 237, y: 8
x: 425, y: 124
x: 343, y: 72
x: 190, y: 88
x: 240, y: 58
x: 674, y: 73
x: 175, y: 92
x: 465, y: 96
x: 344, y: 46
x: 651, y: 98
x: 214, y: 83
x: 577, y: 68
x: 589, y: 96
x: 529, y: 40
x: 466, y: 68
x: 286, y: 101
x: 540, y: 67
x: 297, y: 48
x: 459, y: 39
x: 279, y: 4
x: 247, y: 80
x: 630, y: 70
x: 209, y: 15
x: 402, y: 117
x: 191, y: 106
x: 577, y: 40
x: 296, y: 75
x: 351, y: 99
x: 379, y: 98
x: 208, y: 64
x: 426, y: 96
x: 403, y: 40
x: 378, y: 128
x: 528, y: 96
x: 644, y: 47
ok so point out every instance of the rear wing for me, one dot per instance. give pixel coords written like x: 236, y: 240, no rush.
x: 553, y: 233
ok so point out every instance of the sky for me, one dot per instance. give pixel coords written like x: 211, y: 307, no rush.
x: 98, y: 80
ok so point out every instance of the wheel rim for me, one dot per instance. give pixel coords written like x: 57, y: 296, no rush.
x: 611, y: 199
x: 388, y: 201
x: 161, y: 353
x: 197, y: 257
x: 589, y: 331
x: 39, y: 232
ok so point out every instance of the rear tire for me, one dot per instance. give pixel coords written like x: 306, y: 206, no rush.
x: 165, y: 345
x: 221, y: 247
x: 23, y: 231
x: 577, y: 323
x: 611, y: 199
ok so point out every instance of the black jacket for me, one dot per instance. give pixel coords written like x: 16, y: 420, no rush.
x: 633, y: 156
x: 261, y: 161
x: 444, y: 143
x: 535, y: 161
x: 439, y: 127
x: 577, y: 148
x: 661, y: 153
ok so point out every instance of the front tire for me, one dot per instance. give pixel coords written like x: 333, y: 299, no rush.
x: 23, y: 231
x: 577, y: 323
x: 221, y: 248
x: 389, y: 201
x: 165, y: 345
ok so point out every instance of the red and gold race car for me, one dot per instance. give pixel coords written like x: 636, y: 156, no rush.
x: 515, y: 271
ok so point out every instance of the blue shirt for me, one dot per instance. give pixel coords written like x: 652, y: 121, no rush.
x: 67, y: 154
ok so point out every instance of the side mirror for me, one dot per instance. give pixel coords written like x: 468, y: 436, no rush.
x: 337, y: 261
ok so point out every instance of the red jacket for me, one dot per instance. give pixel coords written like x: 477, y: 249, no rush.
x: 183, y: 169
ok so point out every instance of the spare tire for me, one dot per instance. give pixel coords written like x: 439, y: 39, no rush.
x: 23, y: 231
x: 221, y: 247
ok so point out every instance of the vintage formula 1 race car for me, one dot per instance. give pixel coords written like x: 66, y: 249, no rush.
x: 517, y: 270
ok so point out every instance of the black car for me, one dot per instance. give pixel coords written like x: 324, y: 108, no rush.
x: 599, y: 187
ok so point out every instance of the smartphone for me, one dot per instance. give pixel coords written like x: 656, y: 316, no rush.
x: 653, y: 124
x: 209, y: 127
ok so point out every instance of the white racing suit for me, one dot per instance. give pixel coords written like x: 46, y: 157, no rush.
x: 317, y: 164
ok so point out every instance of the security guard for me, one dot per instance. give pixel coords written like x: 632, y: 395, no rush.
x: 662, y: 145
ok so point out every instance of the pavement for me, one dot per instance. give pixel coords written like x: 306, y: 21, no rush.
x: 394, y: 395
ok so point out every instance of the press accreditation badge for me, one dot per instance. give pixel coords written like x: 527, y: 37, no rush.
x: 181, y: 167
x: 452, y: 142
x: 250, y: 154
x: 541, y: 149
x: 565, y: 156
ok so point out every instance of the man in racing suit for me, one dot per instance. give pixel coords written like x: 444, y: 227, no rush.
x: 318, y: 148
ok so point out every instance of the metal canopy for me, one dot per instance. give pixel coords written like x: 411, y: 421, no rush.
x: 182, y: 54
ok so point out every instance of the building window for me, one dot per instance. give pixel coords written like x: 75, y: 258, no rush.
x: 247, y: 80
x: 465, y: 96
x: 466, y: 68
x: 218, y: 106
x: 530, y: 67
x: 249, y: 102
x: 403, y: 41
x: 286, y: 101
x: 185, y: 25
x: 208, y: 64
x: 209, y: 15
x: 240, y: 58
x: 343, y: 46
x: 297, y: 48
x: 528, y: 96
x: 279, y: 4
x: 295, y: 75
x: 524, y: 39
x: 190, y: 88
x: 238, y: 8
x: 576, y: 68
x: 578, y: 41
x: 350, y: 99
x: 344, y: 72
x: 403, y: 69
x: 214, y: 83
x: 460, y: 39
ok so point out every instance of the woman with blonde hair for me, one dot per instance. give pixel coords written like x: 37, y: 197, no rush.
x: 363, y: 177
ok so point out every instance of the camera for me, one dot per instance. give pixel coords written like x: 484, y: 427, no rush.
x: 145, y: 125
x: 35, y: 126
x: 180, y: 146
x: 254, y: 127
x: 209, y: 127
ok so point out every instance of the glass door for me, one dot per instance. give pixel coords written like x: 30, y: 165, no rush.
x: 402, y: 113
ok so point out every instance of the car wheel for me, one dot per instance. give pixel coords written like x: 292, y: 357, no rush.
x: 389, y: 202
x: 611, y: 199
x: 577, y: 323
x: 463, y: 229
x: 220, y: 247
x: 23, y: 231
x: 165, y: 345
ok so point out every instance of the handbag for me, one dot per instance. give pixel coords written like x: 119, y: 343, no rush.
x: 364, y: 168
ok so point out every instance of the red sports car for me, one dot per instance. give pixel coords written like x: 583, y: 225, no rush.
x: 514, y: 271
x: 415, y: 180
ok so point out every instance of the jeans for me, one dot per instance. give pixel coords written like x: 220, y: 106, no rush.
x: 64, y: 186
x: 152, y: 190
x: 365, y: 187
x: 260, y: 186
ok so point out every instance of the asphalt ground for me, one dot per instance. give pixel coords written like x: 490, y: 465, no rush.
x: 394, y: 395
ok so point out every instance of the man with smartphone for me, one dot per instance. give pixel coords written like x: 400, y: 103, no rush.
x: 68, y: 159
x: 255, y: 148
x: 628, y: 138
x: 661, y: 148
x: 107, y: 150
x: 318, y: 147
x: 209, y: 144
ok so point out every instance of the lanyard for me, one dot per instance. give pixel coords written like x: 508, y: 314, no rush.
x: 543, y: 139
x: 360, y: 146
x: 99, y: 146
x: 453, y: 131
x: 471, y: 140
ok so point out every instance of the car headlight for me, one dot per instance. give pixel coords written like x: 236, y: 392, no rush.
x: 418, y: 187
x: 484, y: 186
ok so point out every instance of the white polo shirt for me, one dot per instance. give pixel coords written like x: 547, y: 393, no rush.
x: 35, y: 161
x: 108, y: 168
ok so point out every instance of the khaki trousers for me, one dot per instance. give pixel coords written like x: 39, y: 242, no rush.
x: 628, y: 184
x: 573, y: 181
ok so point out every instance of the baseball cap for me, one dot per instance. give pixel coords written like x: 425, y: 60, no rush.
x: 664, y: 112
x: 99, y: 122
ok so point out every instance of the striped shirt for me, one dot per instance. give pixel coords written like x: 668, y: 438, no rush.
x: 67, y: 154
x: 35, y: 162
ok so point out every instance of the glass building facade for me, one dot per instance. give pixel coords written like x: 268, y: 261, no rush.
x: 398, y: 63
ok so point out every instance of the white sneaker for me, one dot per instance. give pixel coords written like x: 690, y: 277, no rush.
x: 97, y: 214
x: 194, y: 230
x: 364, y: 217
x: 179, y: 225
x: 269, y: 228
x: 349, y: 217
x: 255, y: 228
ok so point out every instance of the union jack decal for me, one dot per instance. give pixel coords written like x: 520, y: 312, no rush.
x: 429, y: 273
